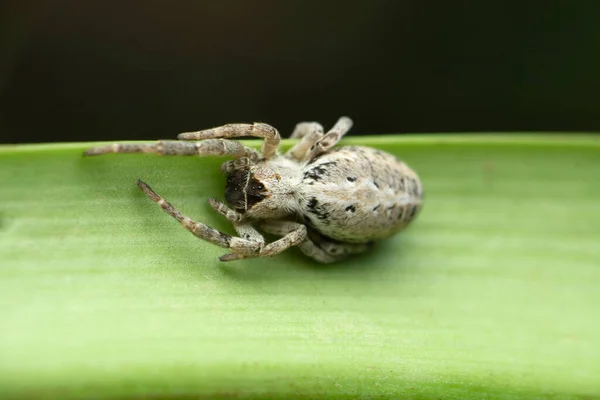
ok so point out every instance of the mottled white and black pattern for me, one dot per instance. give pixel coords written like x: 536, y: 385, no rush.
x: 330, y: 202
x: 358, y: 194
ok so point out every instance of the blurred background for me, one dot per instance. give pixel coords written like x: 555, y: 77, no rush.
x: 75, y: 70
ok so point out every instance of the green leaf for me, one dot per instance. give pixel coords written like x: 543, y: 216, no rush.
x: 492, y: 293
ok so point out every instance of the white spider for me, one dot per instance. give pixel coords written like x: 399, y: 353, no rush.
x: 330, y: 202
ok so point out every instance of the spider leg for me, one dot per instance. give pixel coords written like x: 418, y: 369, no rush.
x: 292, y: 238
x: 330, y: 139
x: 244, y: 229
x: 251, y: 244
x: 257, y: 129
x: 308, y: 133
x: 202, y: 231
x: 305, y: 128
x: 237, y: 164
x: 315, y: 245
x: 212, y: 147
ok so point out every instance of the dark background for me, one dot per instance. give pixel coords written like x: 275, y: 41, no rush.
x: 78, y: 70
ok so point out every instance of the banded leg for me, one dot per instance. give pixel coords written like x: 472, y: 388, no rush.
x: 304, y: 128
x: 238, y: 164
x: 244, y: 230
x: 309, y: 133
x: 292, y: 238
x: 339, y: 249
x: 308, y: 247
x: 341, y: 127
x: 239, y: 246
x: 257, y: 129
x: 315, y: 245
x: 213, y: 147
x: 221, y: 208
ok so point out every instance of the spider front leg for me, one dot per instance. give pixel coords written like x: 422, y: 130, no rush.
x: 212, y: 147
x: 291, y: 237
x: 250, y: 245
x: 221, y: 208
x: 257, y: 129
x: 246, y: 231
x: 239, y: 246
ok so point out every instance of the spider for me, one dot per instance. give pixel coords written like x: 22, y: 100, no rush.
x: 329, y: 201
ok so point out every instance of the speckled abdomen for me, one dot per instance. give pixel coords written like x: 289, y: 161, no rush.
x: 364, y: 194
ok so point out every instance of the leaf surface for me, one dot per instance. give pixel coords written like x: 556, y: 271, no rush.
x: 493, y: 291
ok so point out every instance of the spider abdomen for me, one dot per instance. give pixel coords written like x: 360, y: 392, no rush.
x: 359, y: 194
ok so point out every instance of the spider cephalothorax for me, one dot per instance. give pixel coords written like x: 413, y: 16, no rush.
x: 330, y: 202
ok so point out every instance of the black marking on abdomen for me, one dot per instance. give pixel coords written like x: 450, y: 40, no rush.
x: 414, y: 187
x: 401, y: 213
x: 317, y: 172
x: 413, y: 211
x: 400, y: 184
x: 315, y: 208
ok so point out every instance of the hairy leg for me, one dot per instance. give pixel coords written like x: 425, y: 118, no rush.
x: 221, y: 208
x: 315, y: 245
x: 237, y: 164
x: 205, y: 232
x: 177, y: 148
x: 244, y: 229
x: 257, y: 129
x: 251, y: 244
x: 308, y: 133
x: 330, y: 139
x: 292, y: 238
